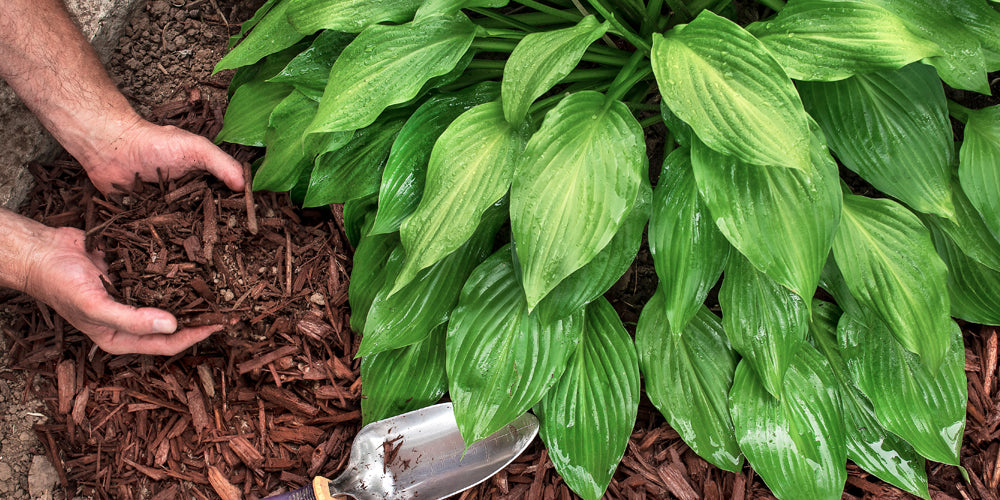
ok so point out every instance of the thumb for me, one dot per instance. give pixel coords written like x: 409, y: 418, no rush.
x: 216, y: 162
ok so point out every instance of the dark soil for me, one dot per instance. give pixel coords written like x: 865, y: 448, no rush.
x: 274, y: 399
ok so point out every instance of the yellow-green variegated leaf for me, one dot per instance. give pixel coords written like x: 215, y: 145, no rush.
x: 972, y: 287
x: 688, y: 250
x: 470, y: 168
x: 889, y: 264
x: 728, y: 87
x: 573, y: 188
x: 923, y: 406
x: 405, y: 379
x: 979, y: 164
x: 765, y: 322
x: 688, y: 374
x: 827, y: 40
x: 501, y: 358
x: 797, y: 444
x: 388, y: 65
x: 351, y: 16
x: 782, y: 220
x: 587, y: 417
x: 540, y: 60
x: 892, y: 128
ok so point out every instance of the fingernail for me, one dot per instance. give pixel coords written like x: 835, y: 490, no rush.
x: 163, y: 326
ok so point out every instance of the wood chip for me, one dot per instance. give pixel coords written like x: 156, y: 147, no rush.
x: 66, y: 381
x: 222, y: 486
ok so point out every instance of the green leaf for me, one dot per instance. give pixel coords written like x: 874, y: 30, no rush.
x: 968, y: 229
x: 310, y: 70
x: 827, y: 40
x: 688, y: 250
x: 972, y: 287
x: 979, y: 164
x: 352, y: 16
x: 354, y: 170
x: 892, y: 128
x: 388, y: 65
x: 249, y: 110
x: 797, y: 443
x: 369, y: 274
x: 765, y: 322
x: 407, y: 316
x: 540, y: 60
x: 688, y: 374
x: 250, y: 23
x: 448, y: 7
x: 406, y: 169
x: 923, y: 406
x: 470, y: 168
x: 501, y: 359
x: 890, y: 266
x: 725, y: 84
x: 359, y: 214
x: 402, y: 380
x: 272, y: 34
x: 783, y: 220
x: 869, y: 445
x: 574, y: 186
x: 603, y: 271
x: 587, y: 418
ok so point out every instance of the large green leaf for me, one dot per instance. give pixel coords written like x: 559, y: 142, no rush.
x: 540, y: 60
x: 470, y: 168
x: 406, y: 169
x: 892, y: 128
x: 447, y: 7
x: 359, y: 214
x: 369, y: 274
x: 402, y: 380
x: 968, y: 229
x: 765, y: 322
x: 688, y: 250
x: 972, y: 287
x: 979, y: 164
x: 797, y: 444
x: 501, y: 358
x: 249, y: 110
x: 725, y: 84
x: 353, y: 171
x: 310, y: 70
x: 869, y: 444
x: 388, y: 65
x: 271, y: 34
x: 890, y: 266
x: 688, y: 374
x: 247, y: 25
x: 924, y: 407
x: 829, y: 40
x: 604, y: 270
x: 574, y: 186
x: 352, y: 16
x: 407, y: 316
x: 587, y: 418
x: 783, y: 220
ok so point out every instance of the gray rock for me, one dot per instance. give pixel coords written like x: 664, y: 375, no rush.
x: 42, y: 477
x: 22, y: 137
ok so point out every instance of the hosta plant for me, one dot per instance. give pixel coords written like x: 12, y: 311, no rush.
x: 492, y: 160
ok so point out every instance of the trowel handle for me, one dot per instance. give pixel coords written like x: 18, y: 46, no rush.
x: 318, y: 490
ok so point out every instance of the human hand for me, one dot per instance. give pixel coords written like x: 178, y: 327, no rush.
x: 144, y: 148
x: 67, y: 278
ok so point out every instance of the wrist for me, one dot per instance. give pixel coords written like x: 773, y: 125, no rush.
x: 22, y: 246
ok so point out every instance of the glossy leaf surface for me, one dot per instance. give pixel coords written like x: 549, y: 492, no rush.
x: 688, y: 374
x: 728, y: 87
x: 924, y: 407
x: 765, y: 322
x: 541, y: 60
x: 782, y: 220
x: 271, y: 34
x: 796, y: 443
x: 890, y: 266
x: 979, y: 164
x: 388, y: 65
x: 968, y: 229
x: 501, y: 358
x: 587, y: 417
x: 249, y: 110
x: 892, y: 128
x: 309, y: 71
x: 972, y: 287
x: 402, y: 380
x: 447, y: 7
x: 828, y: 40
x: 688, y: 250
x: 470, y: 169
x: 352, y: 16
x: 369, y: 274
x: 574, y: 186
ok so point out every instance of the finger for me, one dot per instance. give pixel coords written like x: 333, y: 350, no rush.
x: 132, y: 320
x: 220, y: 164
x: 156, y: 344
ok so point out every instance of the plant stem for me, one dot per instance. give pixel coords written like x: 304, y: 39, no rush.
x: 493, y: 45
x: 567, y: 15
x: 654, y: 10
x: 528, y: 21
x: 958, y: 112
x: 775, y: 5
x: 589, y: 74
x: 680, y: 9
x: 626, y: 77
x: 487, y: 64
x: 623, y: 30
x: 650, y: 121
x: 507, y: 46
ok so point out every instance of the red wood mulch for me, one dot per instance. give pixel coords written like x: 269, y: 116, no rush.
x: 274, y: 399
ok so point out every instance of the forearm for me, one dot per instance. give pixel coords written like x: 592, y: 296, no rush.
x: 55, y: 71
x: 21, y: 240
